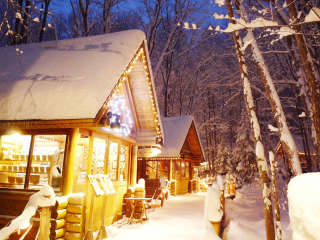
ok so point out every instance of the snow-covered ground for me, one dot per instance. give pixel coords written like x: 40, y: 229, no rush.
x: 245, y: 218
x: 181, y: 218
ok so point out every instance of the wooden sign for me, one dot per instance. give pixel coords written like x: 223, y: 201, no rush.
x: 106, y: 184
x: 95, y: 185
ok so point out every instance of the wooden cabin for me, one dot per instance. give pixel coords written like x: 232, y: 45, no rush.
x: 307, y: 155
x: 179, y: 159
x: 72, y: 113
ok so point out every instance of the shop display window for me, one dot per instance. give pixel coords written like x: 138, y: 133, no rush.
x: 151, y: 170
x: 14, y: 153
x: 163, y: 169
x: 177, y: 169
x: 47, y: 161
x: 80, y: 169
x: 183, y: 169
x: 46, y: 164
x: 123, y: 159
x: 113, y: 160
x: 187, y: 169
x: 98, y: 158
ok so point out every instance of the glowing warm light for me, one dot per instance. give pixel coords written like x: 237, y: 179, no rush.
x: 140, y: 54
x: 118, y: 109
x: 149, y: 151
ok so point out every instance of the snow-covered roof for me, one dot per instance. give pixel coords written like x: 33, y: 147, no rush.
x: 175, y: 130
x: 298, y: 139
x: 66, y: 79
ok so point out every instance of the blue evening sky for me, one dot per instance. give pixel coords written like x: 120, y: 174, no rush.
x: 63, y: 6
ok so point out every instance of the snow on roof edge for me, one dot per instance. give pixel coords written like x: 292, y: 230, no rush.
x: 71, y: 47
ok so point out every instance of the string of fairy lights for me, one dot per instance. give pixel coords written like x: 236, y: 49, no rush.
x: 139, y: 54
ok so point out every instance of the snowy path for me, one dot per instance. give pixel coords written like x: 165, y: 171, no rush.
x: 244, y: 216
x: 180, y: 219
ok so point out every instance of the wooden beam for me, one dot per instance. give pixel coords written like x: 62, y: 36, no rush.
x: 118, y: 163
x: 134, y: 162
x: 88, y: 187
x: 6, y: 126
x: 170, y: 170
x: 29, y: 163
x: 68, y: 173
x: 132, y: 103
x: 45, y: 215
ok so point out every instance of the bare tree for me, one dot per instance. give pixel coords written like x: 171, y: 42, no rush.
x: 45, y: 12
x: 309, y: 70
x: 273, y: 97
x: 260, y: 153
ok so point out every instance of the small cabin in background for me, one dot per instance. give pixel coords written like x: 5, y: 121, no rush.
x: 72, y: 115
x: 179, y: 159
x: 307, y: 155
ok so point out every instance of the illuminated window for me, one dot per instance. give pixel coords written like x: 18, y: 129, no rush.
x: 99, y: 151
x: 47, y: 161
x: 187, y: 169
x: 113, y: 160
x: 124, y: 154
x: 80, y: 170
x: 14, y: 153
x: 178, y: 169
x: 183, y: 169
x: 119, y: 116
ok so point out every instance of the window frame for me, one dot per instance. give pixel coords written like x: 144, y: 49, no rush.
x: 33, y: 133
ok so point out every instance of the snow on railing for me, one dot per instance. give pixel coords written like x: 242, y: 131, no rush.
x: 45, y: 197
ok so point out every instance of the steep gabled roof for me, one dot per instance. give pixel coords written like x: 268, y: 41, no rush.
x: 66, y: 79
x: 176, y: 131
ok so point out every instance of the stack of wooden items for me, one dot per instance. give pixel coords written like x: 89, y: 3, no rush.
x: 67, y: 218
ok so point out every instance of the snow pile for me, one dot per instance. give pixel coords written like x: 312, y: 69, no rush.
x: 304, y: 207
x: 213, y: 209
x: 247, y: 230
x: 244, y: 215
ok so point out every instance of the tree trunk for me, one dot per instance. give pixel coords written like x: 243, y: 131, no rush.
x: 44, y: 20
x: 84, y: 12
x: 17, y: 27
x: 107, y: 5
x: 25, y: 25
x: 275, y: 196
x: 285, y: 135
x: 301, y: 78
x: 306, y: 59
x: 260, y: 155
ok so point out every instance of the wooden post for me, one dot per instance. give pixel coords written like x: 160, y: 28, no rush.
x: 1, y: 154
x: 103, y: 232
x: 88, y: 187
x: 28, y: 171
x: 134, y: 159
x: 170, y: 170
x: 118, y: 163
x: 69, y: 162
x: 45, y: 216
x: 89, y: 233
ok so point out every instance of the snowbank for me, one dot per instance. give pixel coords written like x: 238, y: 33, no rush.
x: 213, y: 210
x: 304, y: 206
x: 244, y: 215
